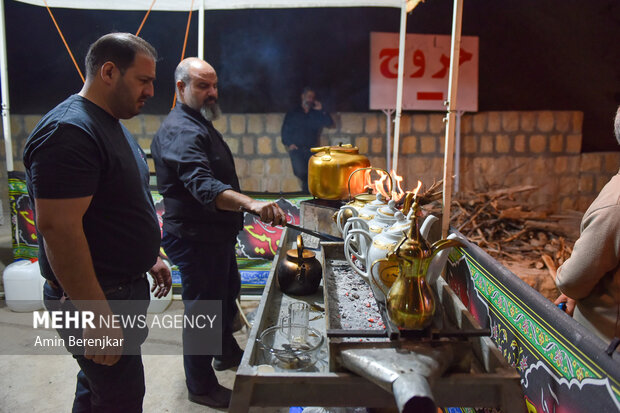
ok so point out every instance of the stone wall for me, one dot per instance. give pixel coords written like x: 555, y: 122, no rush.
x: 498, y: 149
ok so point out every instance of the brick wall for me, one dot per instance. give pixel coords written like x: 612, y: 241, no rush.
x: 498, y: 149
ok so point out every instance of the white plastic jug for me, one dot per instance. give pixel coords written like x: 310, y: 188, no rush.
x: 23, y: 286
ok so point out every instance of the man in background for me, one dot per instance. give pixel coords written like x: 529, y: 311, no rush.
x: 590, y: 279
x: 203, y: 214
x: 301, y: 131
x: 98, y: 230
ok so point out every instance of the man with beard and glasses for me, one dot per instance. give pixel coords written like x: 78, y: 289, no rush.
x: 98, y: 230
x: 197, y: 178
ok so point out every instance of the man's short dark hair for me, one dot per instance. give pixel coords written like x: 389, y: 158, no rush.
x: 307, y: 89
x: 119, y: 48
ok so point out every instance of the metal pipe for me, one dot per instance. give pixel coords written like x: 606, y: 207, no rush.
x: 388, y: 131
x: 6, y: 112
x: 399, y: 87
x: 201, y: 31
x: 406, y: 373
x: 457, y: 152
x: 448, y: 161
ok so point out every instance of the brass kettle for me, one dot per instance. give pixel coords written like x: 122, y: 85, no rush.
x: 410, y: 300
x: 299, y: 273
x: 329, y: 169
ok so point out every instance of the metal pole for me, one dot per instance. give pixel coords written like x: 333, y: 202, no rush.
x: 201, y: 30
x: 6, y: 113
x: 457, y: 152
x: 388, y: 131
x: 448, y: 162
x: 399, y: 87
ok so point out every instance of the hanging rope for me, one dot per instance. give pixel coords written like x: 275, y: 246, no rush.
x: 64, y: 41
x: 189, y: 20
x: 145, y: 17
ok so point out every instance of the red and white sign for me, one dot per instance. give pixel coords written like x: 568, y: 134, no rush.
x: 427, y: 70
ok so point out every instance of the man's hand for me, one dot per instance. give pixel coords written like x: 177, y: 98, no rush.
x: 108, y: 355
x: 570, y: 303
x: 162, y: 279
x: 292, y: 147
x: 317, y: 105
x: 268, y: 212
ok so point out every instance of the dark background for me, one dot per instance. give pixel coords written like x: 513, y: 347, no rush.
x: 534, y: 55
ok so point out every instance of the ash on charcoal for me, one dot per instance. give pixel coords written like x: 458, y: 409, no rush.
x: 352, y: 305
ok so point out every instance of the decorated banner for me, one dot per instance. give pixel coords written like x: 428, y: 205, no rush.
x: 22, y: 218
x: 563, y: 366
x: 256, y: 246
x: 426, y: 72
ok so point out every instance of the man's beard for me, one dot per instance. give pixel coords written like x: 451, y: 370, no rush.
x: 211, y: 112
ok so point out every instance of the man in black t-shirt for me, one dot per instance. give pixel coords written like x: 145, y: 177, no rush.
x: 202, y: 200
x: 301, y: 130
x: 97, y: 228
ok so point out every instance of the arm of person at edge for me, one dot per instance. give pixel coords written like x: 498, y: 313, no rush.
x: 595, y: 253
x: 162, y: 279
x: 59, y: 221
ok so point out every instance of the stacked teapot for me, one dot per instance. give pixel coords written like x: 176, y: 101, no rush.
x: 410, y: 301
x: 363, y: 205
x: 378, y: 245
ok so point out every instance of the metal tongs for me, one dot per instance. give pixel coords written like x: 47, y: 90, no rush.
x: 320, y: 235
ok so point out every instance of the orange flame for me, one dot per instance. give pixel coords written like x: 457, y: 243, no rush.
x: 397, y: 192
x: 379, y: 185
x: 415, y: 192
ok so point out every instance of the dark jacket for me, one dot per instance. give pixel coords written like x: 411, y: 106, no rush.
x: 303, y: 129
x: 194, y: 165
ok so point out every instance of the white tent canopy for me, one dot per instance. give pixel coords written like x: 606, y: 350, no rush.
x: 202, y: 5
x: 184, y: 5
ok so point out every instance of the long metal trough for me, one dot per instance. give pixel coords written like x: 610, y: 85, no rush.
x: 478, y: 377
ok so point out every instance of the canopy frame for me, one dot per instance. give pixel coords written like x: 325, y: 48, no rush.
x: 202, y: 5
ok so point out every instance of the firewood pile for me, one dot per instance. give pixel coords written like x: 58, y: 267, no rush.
x: 531, y: 244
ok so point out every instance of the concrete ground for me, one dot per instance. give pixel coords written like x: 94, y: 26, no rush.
x: 46, y: 383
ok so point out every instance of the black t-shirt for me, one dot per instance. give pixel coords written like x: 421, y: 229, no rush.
x: 80, y: 150
x: 194, y: 165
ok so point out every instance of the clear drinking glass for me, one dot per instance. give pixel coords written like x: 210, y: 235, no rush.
x: 298, y: 316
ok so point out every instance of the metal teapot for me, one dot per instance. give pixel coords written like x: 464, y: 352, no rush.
x: 330, y: 167
x: 363, y: 205
x: 410, y: 300
x: 380, y: 277
x: 300, y: 272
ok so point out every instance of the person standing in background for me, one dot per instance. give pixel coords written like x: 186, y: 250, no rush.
x: 301, y: 131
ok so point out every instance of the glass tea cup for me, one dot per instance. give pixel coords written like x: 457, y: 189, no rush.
x: 296, y: 323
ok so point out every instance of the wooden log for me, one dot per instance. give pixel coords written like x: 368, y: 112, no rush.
x: 517, y: 213
x: 547, y: 226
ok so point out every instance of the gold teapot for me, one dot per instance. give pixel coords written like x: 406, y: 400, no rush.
x: 410, y: 300
x: 331, y: 167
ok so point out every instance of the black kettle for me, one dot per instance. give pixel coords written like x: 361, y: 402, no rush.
x: 299, y: 273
